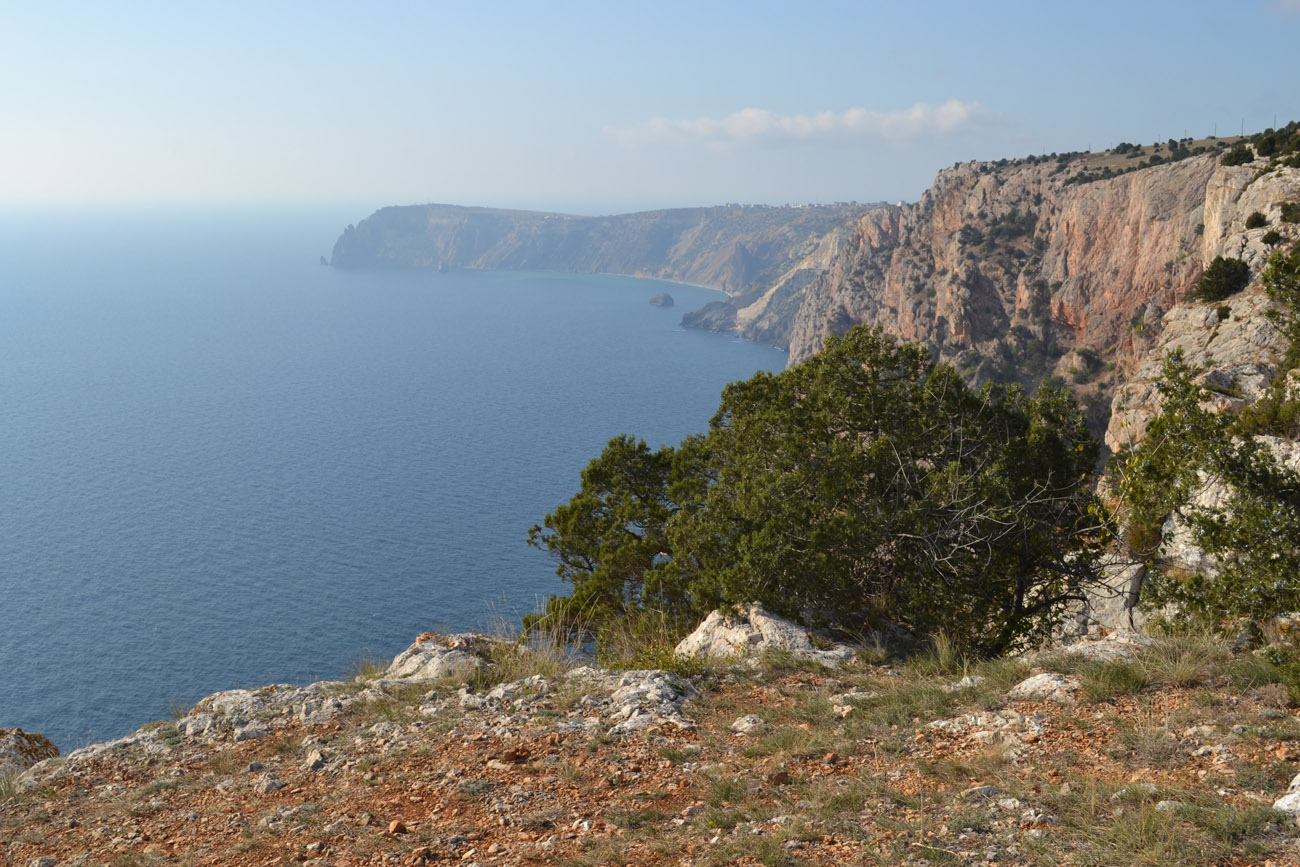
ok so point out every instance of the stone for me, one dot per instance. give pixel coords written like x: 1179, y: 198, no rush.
x: 20, y: 750
x: 1289, y: 804
x: 1119, y: 646
x: 433, y: 657
x: 751, y: 724
x: 43, y: 861
x: 315, y: 761
x: 639, y: 700
x: 268, y: 783
x: 663, y: 299
x: 750, y: 633
x: 250, y: 732
x: 397, y: 826
x: 967, y: 682
x: 1046, y: 687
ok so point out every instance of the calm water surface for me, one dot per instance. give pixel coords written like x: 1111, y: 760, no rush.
x: 226, y: 465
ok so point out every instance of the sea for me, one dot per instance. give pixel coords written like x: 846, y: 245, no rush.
x: 225, y: 465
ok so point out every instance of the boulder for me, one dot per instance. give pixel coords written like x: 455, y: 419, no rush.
x: 432, y: 657
x: 751, y: 632
x: 1046, y: 687
x: 751, y: 724
x: 663, y: 299
x: 19, y: 750
x: 1290, y: 802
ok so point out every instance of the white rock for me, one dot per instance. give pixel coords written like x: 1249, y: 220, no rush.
x: 1289, y: 804
x: 1118, y: 646
x: 751, y: 724
x: 752, y: 632
x: 967, y: 682
x: 1046, y: 687
x: 432, y: 657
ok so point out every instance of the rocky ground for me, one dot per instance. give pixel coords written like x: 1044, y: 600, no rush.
x: 470, y: 751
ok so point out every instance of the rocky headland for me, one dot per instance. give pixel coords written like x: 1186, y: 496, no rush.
x: 741, y: 250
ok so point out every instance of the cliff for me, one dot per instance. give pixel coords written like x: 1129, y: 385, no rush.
x: 739, y: 249
x: 1236, y: 342
x: 1020, y: 271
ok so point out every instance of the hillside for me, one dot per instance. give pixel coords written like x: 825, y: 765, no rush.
x: 738, y: 249
x: 467, y: 751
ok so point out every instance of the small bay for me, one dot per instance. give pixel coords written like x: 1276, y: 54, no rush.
x: 226, y: 465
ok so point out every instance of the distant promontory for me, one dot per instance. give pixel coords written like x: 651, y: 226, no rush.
x: 751, y: 252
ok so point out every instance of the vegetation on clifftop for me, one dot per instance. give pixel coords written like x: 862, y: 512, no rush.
x: 868, y: 484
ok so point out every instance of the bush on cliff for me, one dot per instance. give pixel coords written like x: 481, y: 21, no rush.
x: 1222, y: 279
x: 1238, y: 156
x: 867, y: 483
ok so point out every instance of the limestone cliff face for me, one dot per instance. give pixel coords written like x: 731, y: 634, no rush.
x: 1014, y: 274
x: 741, y: 250
x: 1235, y: 342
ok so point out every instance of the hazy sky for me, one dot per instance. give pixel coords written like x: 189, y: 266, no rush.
x: 611, y: 106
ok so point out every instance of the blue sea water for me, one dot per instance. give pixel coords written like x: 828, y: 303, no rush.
x: 222, y: 464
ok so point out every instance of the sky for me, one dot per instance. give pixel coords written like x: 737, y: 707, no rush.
x: 604, y: 107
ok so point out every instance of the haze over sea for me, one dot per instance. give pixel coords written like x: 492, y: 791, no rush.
x: 225, y: 465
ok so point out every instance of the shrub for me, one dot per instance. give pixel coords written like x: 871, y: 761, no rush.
x: 1238, y: 156
x: 1252, y: 531
x: 1256, y: 221
x: 867, y: 482
x: 1271, y: 237
x: 1291, y: 212
x: 1224, y: 278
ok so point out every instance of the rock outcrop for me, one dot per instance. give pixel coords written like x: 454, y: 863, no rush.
x: 1016, y: 273
x: 752, y: 632
x: 663, y: 299
x: 19, y: 750
x: 1235, y: 342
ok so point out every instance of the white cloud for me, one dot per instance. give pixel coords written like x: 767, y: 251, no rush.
x: 757, y: 125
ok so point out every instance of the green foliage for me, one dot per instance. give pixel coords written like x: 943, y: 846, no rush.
x: 606, y: 538
x: 1256, y: 221
x: 1281, y: 280
x: 868, y: 482
x: 1271, y: 237
x: 1252, y: 534
x: 1291, y: 212
x: 1238, y: 156
x: 1222, y: 279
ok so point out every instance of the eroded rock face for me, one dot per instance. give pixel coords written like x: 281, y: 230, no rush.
x: 1236, y: 192
x: 1092, y: 255
x: 1110, y: 604
x: 752, y: 632
x: 1234, y: 341
x: 19, y: 750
